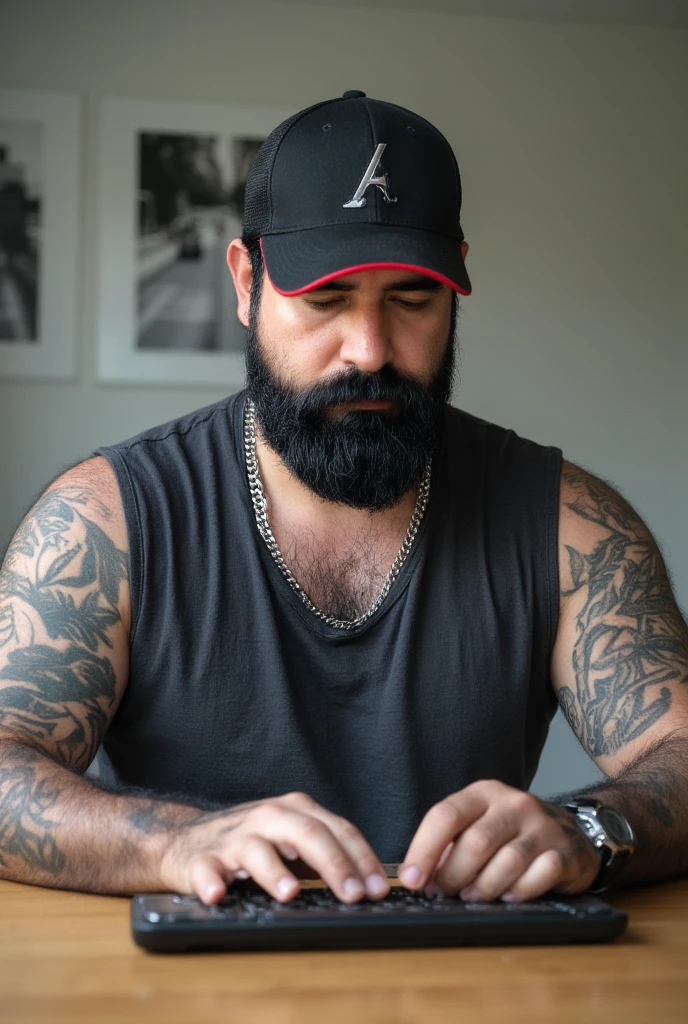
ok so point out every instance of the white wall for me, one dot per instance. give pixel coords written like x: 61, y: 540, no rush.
x: 573, y: 150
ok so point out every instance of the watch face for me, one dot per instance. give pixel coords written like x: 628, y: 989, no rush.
x: 615, y: 825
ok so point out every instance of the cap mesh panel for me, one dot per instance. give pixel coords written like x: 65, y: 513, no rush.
x: 257, y: 209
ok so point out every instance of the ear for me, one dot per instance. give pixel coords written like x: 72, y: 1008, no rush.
x: 239, y: 263
x: 464, y: 249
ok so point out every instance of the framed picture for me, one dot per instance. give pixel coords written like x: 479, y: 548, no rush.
x: 40, y: 163
x: 172, y: 180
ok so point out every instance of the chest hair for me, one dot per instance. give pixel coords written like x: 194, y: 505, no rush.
x: 341, y: 581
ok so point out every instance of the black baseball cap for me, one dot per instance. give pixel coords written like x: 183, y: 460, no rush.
x: 353, y: 184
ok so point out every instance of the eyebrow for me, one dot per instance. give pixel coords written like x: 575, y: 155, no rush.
x: 406, y: 284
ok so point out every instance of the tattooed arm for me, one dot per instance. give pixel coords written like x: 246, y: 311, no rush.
x: 620, y: 669
x: 64, y: 620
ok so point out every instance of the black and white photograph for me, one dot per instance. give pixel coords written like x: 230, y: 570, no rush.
x: 40, y: 165
x: 189, y: 207
x: 171, y: 199
x: 20, y: 229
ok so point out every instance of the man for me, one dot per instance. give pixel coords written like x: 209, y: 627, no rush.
x: 325, y: 622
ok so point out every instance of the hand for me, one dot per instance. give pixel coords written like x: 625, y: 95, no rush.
x: 204, y: 855
x: 490, y: 840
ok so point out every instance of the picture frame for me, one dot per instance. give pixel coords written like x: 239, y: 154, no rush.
x: 40, y: 173
x: 171, y: 181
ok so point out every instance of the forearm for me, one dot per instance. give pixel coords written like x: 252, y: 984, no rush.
x: 61, y: 830
x: 652, y: 794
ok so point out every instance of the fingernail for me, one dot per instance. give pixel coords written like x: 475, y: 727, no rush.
x: 470, y: 894
x: 286, y: 886
x: 353, y: 888
x: 432, y: 890
x: 411, y: 875
x: 509, y: 897
x: 376, y: 885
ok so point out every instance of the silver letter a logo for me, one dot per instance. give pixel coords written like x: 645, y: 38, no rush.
x: 382, y: 182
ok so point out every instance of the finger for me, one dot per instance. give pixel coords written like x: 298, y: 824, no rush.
x: 367, y: 864
x: 260, y: 858
x: 288, y: 851
x: 315, y: 844
x: 474, y: 850
x: 503, y: 870
x: 542, y: 875
x: 440, y: 826
x: 208, y: 878
x: 443, y: 859
x: 430, y: 888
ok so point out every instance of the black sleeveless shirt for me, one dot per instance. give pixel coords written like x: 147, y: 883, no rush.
x: 237, y: 691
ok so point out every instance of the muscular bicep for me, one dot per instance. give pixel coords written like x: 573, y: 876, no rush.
x: 620, y: 661
x: 64, y: 617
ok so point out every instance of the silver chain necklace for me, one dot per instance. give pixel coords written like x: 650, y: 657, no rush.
x: 260, y: 507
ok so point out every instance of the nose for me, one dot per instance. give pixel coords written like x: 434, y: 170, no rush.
x: 366, y: 341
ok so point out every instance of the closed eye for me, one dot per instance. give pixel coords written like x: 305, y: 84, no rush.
x: 322, y: 305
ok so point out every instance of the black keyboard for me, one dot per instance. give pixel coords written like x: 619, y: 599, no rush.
x: 250, y: 919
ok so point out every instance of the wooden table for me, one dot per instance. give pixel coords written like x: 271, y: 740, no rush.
x: 69, y: 957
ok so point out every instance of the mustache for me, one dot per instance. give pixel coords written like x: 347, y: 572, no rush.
x: 387, y: 384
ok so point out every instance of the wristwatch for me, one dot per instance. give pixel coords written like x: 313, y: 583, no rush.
x: 609, y: 832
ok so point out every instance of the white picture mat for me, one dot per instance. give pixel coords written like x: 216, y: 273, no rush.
x: 121, y: 121
x: 59, y: 116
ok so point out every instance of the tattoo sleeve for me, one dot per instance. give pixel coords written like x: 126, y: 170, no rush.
x: 629, y: 661
x: 61, y: 646
x: 630, y: 654
x: 59, y: 588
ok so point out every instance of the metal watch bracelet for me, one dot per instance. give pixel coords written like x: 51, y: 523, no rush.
x: 610, y: 833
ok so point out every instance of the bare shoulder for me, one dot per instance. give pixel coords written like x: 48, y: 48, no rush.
x: 96, y: 472
x: 79, y: 509
x: 596, y: 526
x: 92, y: 486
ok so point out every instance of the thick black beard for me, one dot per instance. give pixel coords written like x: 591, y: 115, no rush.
x: 364, y: 459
